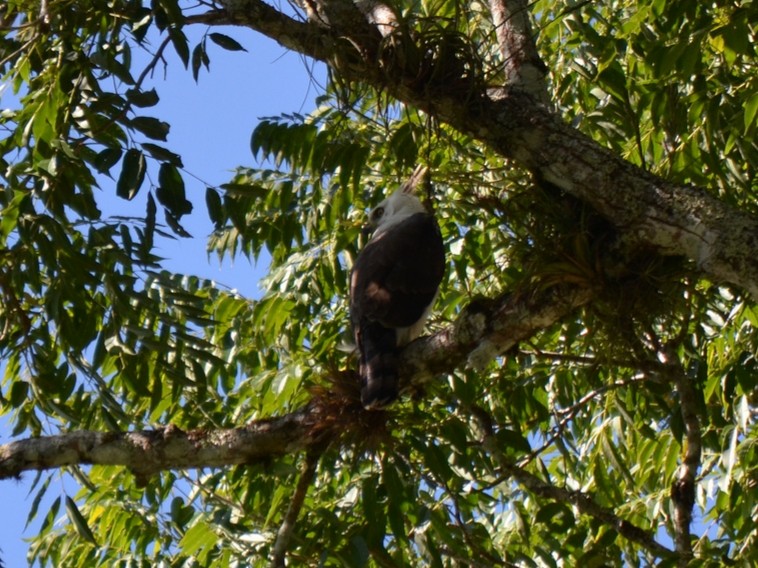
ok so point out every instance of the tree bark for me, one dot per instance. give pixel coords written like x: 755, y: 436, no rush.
x: 150, y: 451
x: 524, y: 69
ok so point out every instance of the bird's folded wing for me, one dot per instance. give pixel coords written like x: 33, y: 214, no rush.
x: 397, y: 274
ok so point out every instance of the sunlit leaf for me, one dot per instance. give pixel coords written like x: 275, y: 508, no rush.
x: 79, y: 521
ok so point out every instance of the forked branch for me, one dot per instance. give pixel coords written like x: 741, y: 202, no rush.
x: 667, y: 218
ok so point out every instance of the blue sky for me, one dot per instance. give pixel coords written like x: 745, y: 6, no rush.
x: 211, y: 123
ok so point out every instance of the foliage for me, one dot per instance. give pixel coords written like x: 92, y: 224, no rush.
x: 95, y: 335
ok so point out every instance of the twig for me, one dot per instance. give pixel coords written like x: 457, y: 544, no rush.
x: 153, y: 62
x: 569, y: 413
x: 21, y: 49
x: 645, y: 366
x: 492, y: 560
x: 287, y: 528
x: 683, y: 486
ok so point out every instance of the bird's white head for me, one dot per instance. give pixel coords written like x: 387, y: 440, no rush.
x: 393, y: 210
x: 398, y: 206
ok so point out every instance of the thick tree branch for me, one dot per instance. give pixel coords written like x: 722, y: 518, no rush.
x: 150, y: 451
x: 487, y: 328
x: 482, y: 331
x: 674, y: 219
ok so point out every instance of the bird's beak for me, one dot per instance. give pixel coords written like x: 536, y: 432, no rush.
x: 366, y: 230
x: 416, y: 180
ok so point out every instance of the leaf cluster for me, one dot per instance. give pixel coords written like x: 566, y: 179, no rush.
x: 670, y: 85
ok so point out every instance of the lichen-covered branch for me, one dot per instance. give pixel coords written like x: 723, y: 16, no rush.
x: 488, y: 327
x: 150, y: 451
x: 483, y: 330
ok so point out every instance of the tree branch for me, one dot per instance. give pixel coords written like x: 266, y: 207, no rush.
x: 482, y: 331
x: 568, y: 414
x: 486, y: 328
x: 683, y: 486
x: 304, y: 37
x: 150, y: 451
x: 380, y: 14
x: 583, y: 502
x: 524, y: 69
x: 287, y: 528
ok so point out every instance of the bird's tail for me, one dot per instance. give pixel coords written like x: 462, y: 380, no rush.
x: 378, y: 368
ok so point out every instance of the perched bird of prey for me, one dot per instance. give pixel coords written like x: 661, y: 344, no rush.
x: 392, y: 287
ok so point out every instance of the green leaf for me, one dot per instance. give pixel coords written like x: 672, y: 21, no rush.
x: 142, y: 99
x: 171, y: 191
x: 514, y: 440
x: 133, y: 171
x: 394, y: 488
x: 199, y: 58
x: 49, y: 520
x: 173, y: 222
x: 181, y: 44
x: 226, y: 42
x: 80, y: 523
x: 163, y: 154
x: 751, y: 111
x: 107, y: 158
x: 613, y: 80
x: 180, y: 513
x: 173, y: 10
x: 38, y: 497
x: 404, y: 146
x: 198, y: 540
x: 215, y: 207
x: 9, y: 216
x: 151, y: 127
x: 19, y: 393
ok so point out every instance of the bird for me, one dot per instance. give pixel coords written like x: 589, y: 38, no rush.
x: 393, y: 285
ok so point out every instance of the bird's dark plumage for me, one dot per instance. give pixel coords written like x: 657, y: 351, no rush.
x: 393, y: 284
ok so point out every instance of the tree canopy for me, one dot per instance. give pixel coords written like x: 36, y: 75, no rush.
x: 587, y: 389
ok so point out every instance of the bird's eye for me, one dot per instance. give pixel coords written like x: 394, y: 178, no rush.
x: 377, y: 213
